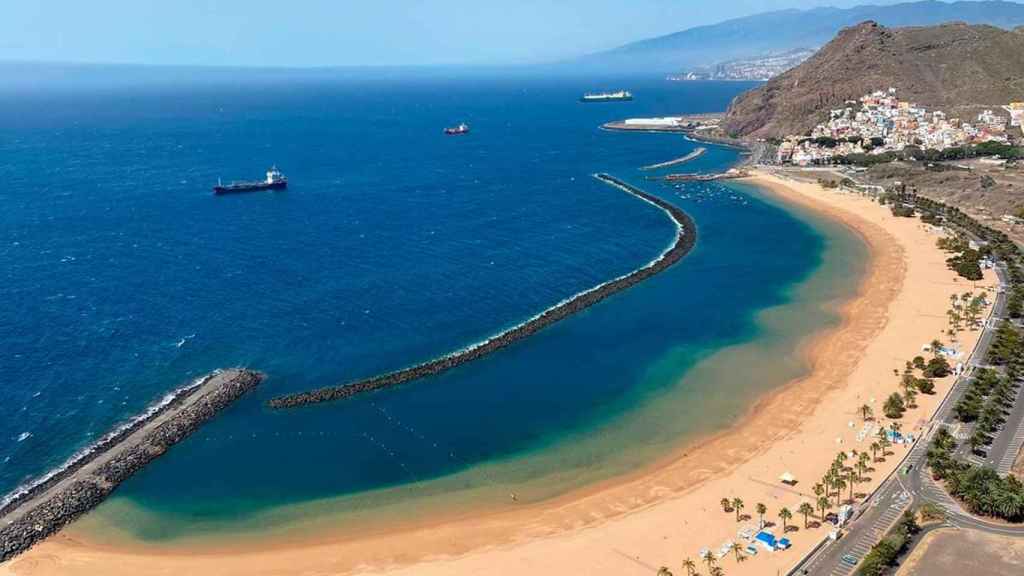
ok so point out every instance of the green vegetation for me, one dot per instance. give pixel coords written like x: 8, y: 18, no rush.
x: 884, y: 554
x: 785, y: 515
x: 1006, y: 151
x: 1015, y: 302
x: 966, y: 264
x: 964, y: 259
x: 1007, y: 347
x: 806, y: 509
x: 894, y: 406
x: 737, y: 505
x: 980, y: 489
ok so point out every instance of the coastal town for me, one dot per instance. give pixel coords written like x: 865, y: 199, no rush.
x: 881, y: 122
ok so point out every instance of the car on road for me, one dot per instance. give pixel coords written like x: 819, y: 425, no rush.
x: 849, y: 559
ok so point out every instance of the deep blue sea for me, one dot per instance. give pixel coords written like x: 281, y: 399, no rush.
x: 124, y: 278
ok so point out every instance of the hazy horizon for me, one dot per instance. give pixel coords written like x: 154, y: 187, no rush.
x: 320, y: 33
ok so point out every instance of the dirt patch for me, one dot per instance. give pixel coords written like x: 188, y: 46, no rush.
x: 952, y: 552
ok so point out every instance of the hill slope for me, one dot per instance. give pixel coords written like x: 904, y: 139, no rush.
x: 957, y: 67
x: 780, y: 31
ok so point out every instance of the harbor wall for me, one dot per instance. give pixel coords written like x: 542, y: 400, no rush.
x: 686, y: 237
x: 44, y: 508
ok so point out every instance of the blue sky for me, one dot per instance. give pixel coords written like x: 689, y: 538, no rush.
x: 348, y: 32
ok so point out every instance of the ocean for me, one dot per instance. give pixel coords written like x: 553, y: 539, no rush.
x: 125, y: 278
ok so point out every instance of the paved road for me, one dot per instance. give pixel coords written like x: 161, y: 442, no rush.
x: 901, y: 491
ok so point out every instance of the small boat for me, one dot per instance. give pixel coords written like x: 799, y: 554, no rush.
x: 462, y: 128
x: 274, y: 181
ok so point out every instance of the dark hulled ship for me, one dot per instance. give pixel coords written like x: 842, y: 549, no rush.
x: 274, y: 181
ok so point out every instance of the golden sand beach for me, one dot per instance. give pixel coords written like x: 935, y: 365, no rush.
x: 670, y: 510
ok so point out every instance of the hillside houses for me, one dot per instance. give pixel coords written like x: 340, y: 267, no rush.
x: 880, y: 122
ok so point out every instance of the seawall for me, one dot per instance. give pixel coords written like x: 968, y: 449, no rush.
x: 686, y: 237
x: 87, y: 480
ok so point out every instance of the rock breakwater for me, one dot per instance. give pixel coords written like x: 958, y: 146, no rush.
x: 697, y: 153
x: 686, y: 236
x: 85, y: 482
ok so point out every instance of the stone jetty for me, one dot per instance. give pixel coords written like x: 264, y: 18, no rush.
x: 85, y: 482
x: 686, y: 236
x: 681, y: 160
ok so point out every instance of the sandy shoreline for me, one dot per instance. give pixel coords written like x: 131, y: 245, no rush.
x: 670, y: 510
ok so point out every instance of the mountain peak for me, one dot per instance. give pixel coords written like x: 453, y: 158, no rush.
x: 956, y: 67
x: 783, y: 30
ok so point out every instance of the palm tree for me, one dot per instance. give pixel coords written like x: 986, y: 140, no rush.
x: 885, y: 443
x: 909, y: 396
x: 896, y: 427
x: 664, y: 571
x: 690, y: 567
x: 761, y: 511
x: 725, y: 504
x: 737, y: 548
x: 709, y: 559
x: 862, y: 464
x: 824, y: 504
x: 785, y: 515
x: 866, y: 413
x: 716, y: 571
x: 842, y: 457
x: 737, y: 504
x: 805, y: 509
x: 838, y: 483
x: 875, y: 446
x: 851, y: 483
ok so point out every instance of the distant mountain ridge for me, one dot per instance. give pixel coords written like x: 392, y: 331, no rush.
x: 784, y: 30
x: 958, y: 68
x: 762, y: 68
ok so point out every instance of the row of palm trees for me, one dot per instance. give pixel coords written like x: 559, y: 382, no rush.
x: 736, y: 505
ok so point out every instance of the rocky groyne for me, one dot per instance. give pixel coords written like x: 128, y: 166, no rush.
x: 682, y: 160
x: 686, y: 236
x: 82, y: 484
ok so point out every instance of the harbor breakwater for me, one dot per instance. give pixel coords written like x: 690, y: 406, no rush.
x: 682, y: 160
x: 686, y: 237
x: 42, y: 509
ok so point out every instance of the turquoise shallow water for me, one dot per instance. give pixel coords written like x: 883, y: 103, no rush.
x: 393, y: 244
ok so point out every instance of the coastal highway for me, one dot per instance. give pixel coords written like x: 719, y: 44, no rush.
x: 904, y: 490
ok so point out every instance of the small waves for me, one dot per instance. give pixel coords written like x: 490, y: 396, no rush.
x: 84, y: 455
x: 684, y: 240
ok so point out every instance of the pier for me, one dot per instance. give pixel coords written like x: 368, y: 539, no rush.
x: 686, y: 236
x: 44, y: 508
x: 681, y: 160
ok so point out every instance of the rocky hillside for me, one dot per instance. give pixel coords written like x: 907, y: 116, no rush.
x: 783, y: 30
x: 957, y: 67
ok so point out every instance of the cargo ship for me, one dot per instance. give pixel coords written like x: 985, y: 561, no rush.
x: 274, y: 181
x: 620, y: 96
x: 462, y: 128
